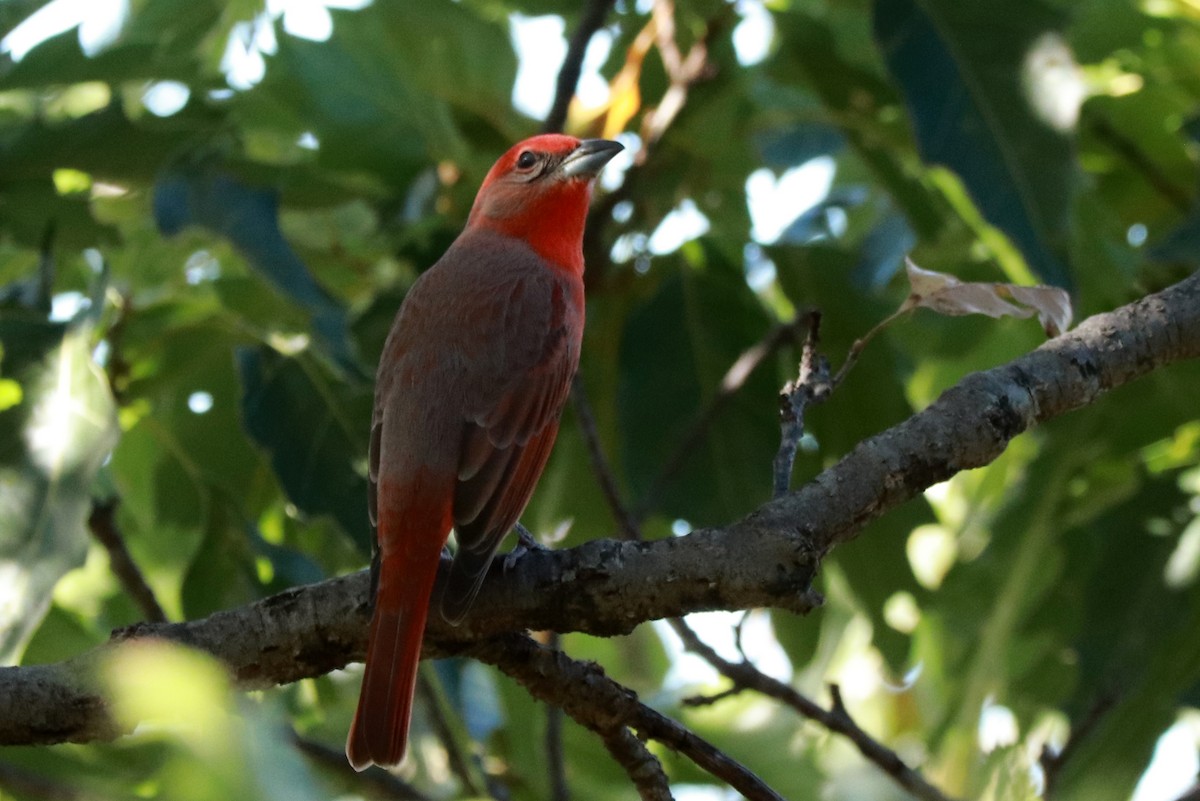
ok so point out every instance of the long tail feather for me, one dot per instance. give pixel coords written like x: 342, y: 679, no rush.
x: 379, y: 733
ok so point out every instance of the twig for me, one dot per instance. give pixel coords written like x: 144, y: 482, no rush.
x: 690, y: 70
x: 383, y: 783
x: 600, y: 464
x: 676, y: 736
x: 709, y: 700
x: 812, y: 385
x: 103, y: 524
x: 643, y: 767
x: 734, y: 379
x: 1052, y: 762
x: 836, y: 719
x: 683, y: 71
x: 861, y: 343
x: 556, y: 764
x: 600, y: 704
x: 445, y: 733
x: 605, y: 587
x: 568, y: 75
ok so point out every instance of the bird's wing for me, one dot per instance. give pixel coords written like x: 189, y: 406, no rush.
x: 510, y: 422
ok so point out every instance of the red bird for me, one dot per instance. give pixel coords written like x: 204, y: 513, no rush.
x: 473, y: 378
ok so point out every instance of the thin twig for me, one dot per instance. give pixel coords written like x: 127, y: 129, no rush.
x: 445, y: 732
x: 683, y: 71
x: 556, y: 763
x: 812, y: 385
x: 745, y: 365
x: 1052, y: 762
x: 602, y: 705
x: 381, y: 782
x: 117, y: 367
x: 103, y: 524
x: 651, y: 723
x: 692, y: 69
x: 600, y: 464
x: 709, y: 700
x: 679, y: 738
x: 568, y: 75
x: 861, y: 343
x: 836, y: 719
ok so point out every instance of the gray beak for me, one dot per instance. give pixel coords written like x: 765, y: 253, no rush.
x: 589, y: 158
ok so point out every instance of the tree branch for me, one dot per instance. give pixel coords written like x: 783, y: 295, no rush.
x: 568, y: 75
x: 597, y: 702
x: 382, y: 783
x: 556, y: 763
x: 607, y: 587
x: 626, y: 521
x: 688, y: 72
x: 812, y: 386
x: 643, y: 767
x: 837, y: 719
x: 103, y: 524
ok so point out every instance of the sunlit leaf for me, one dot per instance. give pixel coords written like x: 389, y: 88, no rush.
x: 51, y: 445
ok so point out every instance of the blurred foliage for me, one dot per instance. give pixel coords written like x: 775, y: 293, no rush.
x: 192, y: 300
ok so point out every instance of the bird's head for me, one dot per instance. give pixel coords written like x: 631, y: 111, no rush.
x: 539, y: 191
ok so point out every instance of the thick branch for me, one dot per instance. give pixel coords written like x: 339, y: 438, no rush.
x: 608, y: 587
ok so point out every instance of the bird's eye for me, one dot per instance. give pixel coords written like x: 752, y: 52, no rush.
x: 526, y: 160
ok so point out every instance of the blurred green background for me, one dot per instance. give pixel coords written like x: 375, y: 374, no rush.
x: 210, y: 211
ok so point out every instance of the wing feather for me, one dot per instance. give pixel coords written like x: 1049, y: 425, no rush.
x: 510, y: 417
x: 495, y: 520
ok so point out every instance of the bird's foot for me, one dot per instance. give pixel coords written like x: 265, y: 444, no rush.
x: 526, y: 542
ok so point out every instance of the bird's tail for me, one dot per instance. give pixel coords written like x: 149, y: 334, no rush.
x: 379, y: 733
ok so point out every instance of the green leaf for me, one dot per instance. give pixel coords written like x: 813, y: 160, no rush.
x: 106, y: 144
x: 454, y: 53
x: 314, y: 432
x: 963, y: 70
x: 208, y: 195
x: 675, y: 350
x: 858, y: 100
x: 52, y: 443
x: 1137, y: 649
x: 367, y: 111
x: 222, y: 574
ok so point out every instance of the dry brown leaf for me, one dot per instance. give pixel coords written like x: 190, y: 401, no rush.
x: 947, y: 295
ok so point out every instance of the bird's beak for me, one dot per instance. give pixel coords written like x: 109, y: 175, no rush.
x: 589, y: 158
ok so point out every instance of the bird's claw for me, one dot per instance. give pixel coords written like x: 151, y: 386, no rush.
x: 526, y: 542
